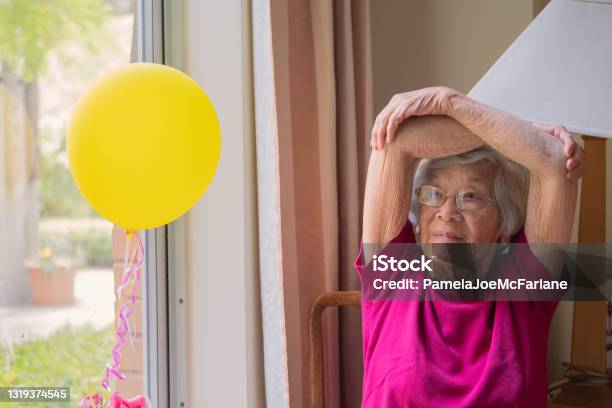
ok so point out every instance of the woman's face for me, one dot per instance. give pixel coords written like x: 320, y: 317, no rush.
x: 447, y: 224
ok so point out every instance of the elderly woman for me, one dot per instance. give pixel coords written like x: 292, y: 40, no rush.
x: 472, y: 174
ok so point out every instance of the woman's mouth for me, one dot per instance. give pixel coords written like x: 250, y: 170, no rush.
x: 447, y: 237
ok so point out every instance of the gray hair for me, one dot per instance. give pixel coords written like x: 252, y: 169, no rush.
x: 510, y: 184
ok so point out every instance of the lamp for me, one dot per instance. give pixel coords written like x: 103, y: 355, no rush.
x: 559, y: 70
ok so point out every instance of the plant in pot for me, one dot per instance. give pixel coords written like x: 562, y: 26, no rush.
x: 52, y: 276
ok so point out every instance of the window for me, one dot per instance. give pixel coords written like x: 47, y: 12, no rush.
x: 60, y: 263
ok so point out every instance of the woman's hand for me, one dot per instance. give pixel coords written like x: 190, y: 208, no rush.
x: 426, y: 101
x: 573, y: 151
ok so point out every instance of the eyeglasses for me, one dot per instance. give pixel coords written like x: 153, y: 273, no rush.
x: 467, y: 201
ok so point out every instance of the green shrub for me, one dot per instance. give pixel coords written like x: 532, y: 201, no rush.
x: 59, y: 195
x: 74, y: 358
x: 88, y: 246
x: 95, y: 246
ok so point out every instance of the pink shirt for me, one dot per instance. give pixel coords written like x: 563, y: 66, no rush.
x: 455, y: 354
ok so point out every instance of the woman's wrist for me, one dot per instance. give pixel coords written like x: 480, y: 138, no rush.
x: 448, y: 100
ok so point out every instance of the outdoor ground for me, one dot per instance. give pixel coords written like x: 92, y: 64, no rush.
x: 94, y: 293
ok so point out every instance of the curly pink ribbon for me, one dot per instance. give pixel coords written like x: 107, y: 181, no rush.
x: 135, y: 261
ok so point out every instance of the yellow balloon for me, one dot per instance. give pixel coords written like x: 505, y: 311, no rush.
x: 143, y: 145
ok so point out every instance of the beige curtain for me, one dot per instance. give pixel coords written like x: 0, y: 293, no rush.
x: 322, y: 113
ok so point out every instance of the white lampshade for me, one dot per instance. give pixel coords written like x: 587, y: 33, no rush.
x: 559, y: 70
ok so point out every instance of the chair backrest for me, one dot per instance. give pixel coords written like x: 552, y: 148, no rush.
x: 315, y: 331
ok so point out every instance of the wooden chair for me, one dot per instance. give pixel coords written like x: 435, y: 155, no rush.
x: 315, y: 331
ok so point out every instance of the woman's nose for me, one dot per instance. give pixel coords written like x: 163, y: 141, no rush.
x: 449, y: 212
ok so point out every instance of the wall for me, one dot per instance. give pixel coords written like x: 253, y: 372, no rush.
x: 440, y: 42
x: 224, y: 345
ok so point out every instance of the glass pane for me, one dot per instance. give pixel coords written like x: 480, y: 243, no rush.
x: 57, y: 285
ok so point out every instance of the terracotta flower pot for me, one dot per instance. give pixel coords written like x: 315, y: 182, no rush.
x: 51, y: 287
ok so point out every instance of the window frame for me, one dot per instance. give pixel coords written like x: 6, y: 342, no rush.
x: 164, y: 315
